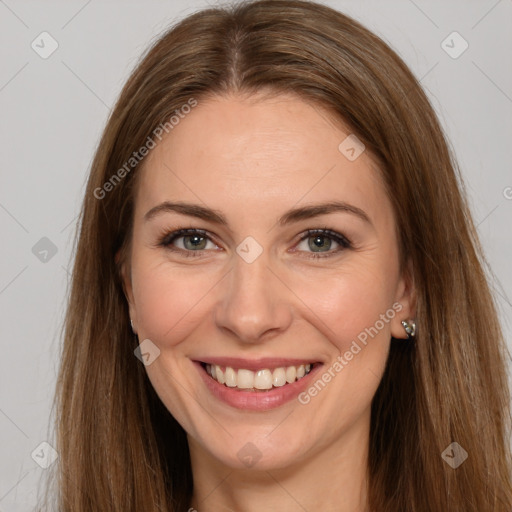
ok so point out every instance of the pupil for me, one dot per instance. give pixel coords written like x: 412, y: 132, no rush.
x: 319, y: 242
x: 195, y: 240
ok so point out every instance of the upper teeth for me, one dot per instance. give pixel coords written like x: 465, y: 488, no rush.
x: 261, y: 379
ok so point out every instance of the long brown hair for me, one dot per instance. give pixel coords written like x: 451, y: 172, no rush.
x: 119, y: 447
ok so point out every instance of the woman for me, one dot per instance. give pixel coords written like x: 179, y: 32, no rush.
x: 278, y: 300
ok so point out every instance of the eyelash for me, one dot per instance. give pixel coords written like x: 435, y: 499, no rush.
x: 168, y: 238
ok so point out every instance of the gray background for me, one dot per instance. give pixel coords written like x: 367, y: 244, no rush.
x: 53, y: 111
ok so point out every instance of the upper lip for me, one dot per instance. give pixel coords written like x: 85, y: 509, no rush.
x: 256, y: 364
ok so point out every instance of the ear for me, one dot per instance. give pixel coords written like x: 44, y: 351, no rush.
x: 405, y: 302
x: 126, y: 280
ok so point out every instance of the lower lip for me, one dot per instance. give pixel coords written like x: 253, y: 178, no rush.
x: 256, y: 400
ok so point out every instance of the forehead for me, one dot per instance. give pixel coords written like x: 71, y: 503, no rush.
x: 264, y: 153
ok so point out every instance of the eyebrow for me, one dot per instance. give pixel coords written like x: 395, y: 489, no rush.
x: 291, y: 216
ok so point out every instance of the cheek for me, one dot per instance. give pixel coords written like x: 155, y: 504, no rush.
x: 346, y: 304
x: 169, y: 301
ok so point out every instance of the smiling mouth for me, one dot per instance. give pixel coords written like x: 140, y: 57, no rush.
x: 261, y: 380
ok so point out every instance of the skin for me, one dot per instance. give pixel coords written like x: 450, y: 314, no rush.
x: 253, y: 159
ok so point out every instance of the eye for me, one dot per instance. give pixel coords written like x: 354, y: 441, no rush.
x: 187, y: 241
x: 321, y: 241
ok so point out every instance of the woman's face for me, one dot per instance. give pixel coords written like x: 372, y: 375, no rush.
x: 256, y: 296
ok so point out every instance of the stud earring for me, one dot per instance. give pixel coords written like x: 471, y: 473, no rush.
x: 410, y: 328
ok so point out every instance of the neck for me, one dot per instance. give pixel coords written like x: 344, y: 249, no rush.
x: 333, y: 478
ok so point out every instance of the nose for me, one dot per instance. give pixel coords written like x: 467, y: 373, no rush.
x: 255, y: 304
